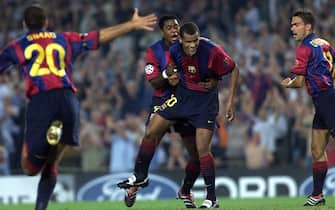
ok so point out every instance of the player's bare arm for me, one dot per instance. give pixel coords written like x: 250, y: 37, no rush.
x: 297, y: 82
x: 136, y: 23
x: 158, y: 82
x: 230, y: 112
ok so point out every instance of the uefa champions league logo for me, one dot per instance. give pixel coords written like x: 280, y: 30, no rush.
x: 328, y: 188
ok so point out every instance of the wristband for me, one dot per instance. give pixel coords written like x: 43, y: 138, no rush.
x: 164, y: 75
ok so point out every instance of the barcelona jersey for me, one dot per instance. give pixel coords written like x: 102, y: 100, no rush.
x: 210, y: 61
x: 46, y: 58
x: 315, y: 59
x: 156, y: 60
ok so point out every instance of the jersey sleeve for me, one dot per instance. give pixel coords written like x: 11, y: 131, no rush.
x: 301, y: 61
x: 152, y: 67
x: 7, y: 58
x: 332, y: 52
x: 81, y: 42
x: 220, y: 63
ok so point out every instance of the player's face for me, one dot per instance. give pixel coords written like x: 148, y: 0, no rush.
x: 190, y: 43
x: 170, y: 31
x: 299, y: 29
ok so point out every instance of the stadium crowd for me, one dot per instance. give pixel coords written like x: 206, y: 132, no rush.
x: 272, y: 124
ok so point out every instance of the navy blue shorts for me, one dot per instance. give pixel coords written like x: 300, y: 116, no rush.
x: 183, y: 127
x: 45, y: 107
x: 324, y: 117
x: 198, y: 108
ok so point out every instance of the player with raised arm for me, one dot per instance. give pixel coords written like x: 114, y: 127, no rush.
x: 315, y: 59
x: 191, y: 64
x: 46, y: 61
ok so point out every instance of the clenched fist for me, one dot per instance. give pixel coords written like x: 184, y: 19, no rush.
x: 172, y: 75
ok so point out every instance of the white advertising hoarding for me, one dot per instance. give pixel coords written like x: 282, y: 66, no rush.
x: 23, y: 189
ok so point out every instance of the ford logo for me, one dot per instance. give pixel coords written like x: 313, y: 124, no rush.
x: 104, y: 189
x: 306, y: 187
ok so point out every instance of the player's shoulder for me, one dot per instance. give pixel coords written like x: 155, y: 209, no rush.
x: 206, y: 41
x: 312, y: 41
x: 175, y: 47
x: 158, y: 46
x: 19, y: 39
x: 11, y: 44
x: 320, y: 42
x: 207, y: 44
x: 69, y: 34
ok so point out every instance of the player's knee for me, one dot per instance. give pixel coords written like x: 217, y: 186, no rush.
x: 203, y: 150
x: 317, y: 153
x: 150, y: 135
x: 29, y: 168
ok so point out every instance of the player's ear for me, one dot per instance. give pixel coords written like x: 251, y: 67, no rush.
x: 24, y: 24
x: 46, y: 23
x: 309, y: 27
x: 162, y: 32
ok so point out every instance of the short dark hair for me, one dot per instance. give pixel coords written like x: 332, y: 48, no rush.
x: 189, y: 28
x: 306, y: 15
x: 165, y: 18
x: 34, y: 17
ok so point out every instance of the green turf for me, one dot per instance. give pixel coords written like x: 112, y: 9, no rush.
x: 226, y: 204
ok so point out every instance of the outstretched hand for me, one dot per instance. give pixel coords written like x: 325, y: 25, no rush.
x: 144, y: 22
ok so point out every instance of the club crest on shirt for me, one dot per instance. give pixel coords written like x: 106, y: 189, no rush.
x: 149, y: 69
x: 191, y: 69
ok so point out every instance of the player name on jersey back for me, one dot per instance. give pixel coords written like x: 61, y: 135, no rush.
x: 41, y: 35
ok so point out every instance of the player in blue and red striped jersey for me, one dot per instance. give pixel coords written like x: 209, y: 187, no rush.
x: 191, y: 64
x: 46, y: 61
x: 315, y: 59
x: 156, y: 61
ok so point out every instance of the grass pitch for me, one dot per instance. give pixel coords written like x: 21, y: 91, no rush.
x: 280, y: 203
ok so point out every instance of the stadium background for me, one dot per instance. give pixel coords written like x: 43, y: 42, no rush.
x: 258, y: 155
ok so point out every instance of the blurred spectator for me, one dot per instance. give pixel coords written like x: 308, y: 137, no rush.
x: 256, y: 155
x: 4, y: 161
x: 176, y: 158
x: 123, y: 149
x: 301, y: 135
x: 220, y: 141
x: 264, y: 129
x: 237, y: 135
x: 93, y: 151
